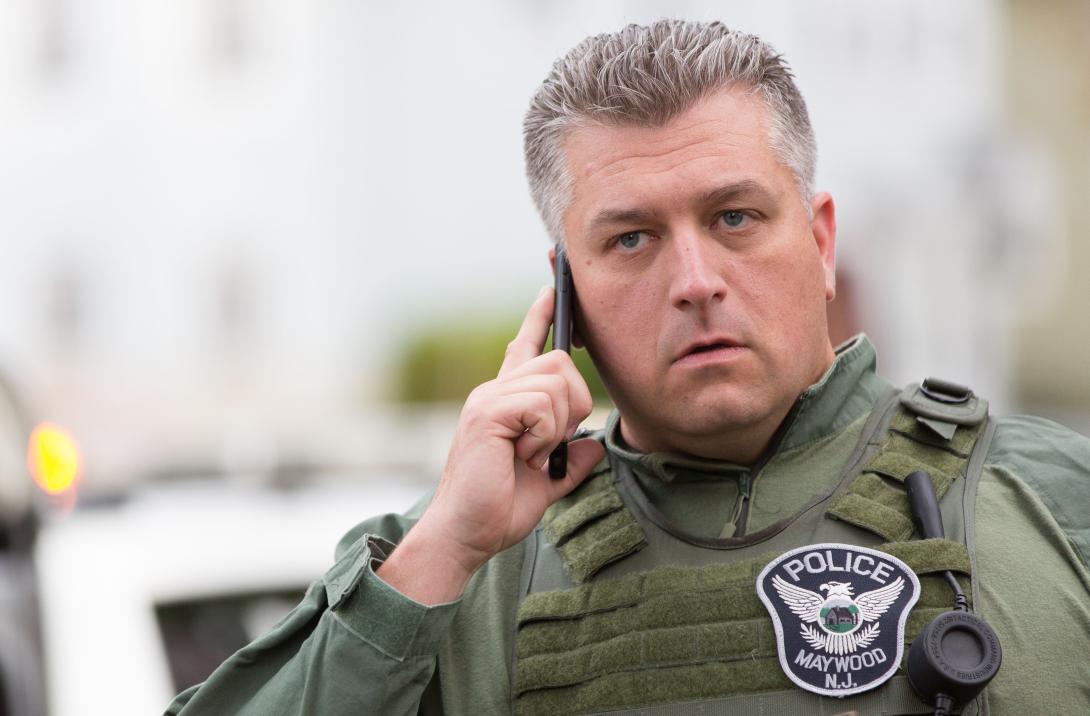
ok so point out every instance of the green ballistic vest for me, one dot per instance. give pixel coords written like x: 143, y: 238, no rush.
x: 693, y: 637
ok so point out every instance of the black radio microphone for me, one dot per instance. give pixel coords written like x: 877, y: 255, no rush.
x: 955, y: 656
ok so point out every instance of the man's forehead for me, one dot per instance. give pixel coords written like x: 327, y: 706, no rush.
x: 729, y: 121
x: 718, y: 146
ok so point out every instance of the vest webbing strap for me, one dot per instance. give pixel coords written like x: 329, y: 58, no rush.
x: 675, y: 634
x: 876, y: 500
x: 591, y: 527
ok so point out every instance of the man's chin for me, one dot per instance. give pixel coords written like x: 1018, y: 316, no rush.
x: 702, y: 420
x: 719, y: 406
x: 717, y: 420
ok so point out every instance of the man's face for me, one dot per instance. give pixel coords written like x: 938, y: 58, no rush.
x: 701, y: 280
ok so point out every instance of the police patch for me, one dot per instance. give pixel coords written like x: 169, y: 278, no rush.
x: 839, y: 613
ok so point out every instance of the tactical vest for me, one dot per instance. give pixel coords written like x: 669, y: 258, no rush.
x: 693, y: 637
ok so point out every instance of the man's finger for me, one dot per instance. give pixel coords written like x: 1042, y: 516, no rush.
x: 534, y: 411
x: 530, y: 340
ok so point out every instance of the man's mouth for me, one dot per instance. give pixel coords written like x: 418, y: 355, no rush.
x: 703, y: 350
x: 709, y: 347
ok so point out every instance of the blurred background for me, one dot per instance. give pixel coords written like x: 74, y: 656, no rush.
x: 255, y: 253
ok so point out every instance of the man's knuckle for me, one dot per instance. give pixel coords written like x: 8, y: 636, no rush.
x: 557, y: 384
x: 477, y: 404
x: 543, y: 403
x: 471, y: 414
x: 478, y: 394
x: 554, y: 360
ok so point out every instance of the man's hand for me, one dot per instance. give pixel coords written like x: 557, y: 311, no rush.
x: 495, y: 486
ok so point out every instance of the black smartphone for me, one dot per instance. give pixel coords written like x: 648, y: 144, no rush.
x: 562, y: 307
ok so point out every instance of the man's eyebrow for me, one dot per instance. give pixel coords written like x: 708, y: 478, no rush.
x: 620, y: 216
x: 746, y: 189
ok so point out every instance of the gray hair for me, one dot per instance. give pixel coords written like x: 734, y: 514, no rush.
x: 647, y: 75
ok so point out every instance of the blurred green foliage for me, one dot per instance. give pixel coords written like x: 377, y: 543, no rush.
x: 445, y: 364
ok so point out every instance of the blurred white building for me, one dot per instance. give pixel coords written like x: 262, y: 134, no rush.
x: 219, y: 217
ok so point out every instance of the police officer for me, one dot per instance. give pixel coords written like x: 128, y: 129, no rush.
x: 738, y: 539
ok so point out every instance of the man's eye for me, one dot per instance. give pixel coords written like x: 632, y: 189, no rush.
x: 733, y: 219
x: 632, y: 240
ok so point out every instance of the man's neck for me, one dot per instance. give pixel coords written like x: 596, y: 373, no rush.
x: 742, y: 444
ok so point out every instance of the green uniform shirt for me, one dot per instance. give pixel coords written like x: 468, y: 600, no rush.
x: 357, y: 646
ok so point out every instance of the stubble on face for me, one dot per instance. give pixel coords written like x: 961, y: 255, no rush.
x: 704, y: 333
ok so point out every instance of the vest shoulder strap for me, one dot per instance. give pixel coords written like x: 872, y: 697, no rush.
x: 935, y: 427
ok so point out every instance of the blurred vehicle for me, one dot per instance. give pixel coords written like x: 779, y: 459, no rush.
x: 111, y: 603
x: 21, y: 688
x: 143, y: 597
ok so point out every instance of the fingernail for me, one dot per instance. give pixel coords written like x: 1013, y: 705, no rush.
x: 543, y: 291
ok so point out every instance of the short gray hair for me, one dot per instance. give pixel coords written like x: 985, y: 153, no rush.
x: 647, y: 75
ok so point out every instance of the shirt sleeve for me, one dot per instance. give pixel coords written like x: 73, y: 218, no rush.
x: 1031, y: 534
x: 353, y: 645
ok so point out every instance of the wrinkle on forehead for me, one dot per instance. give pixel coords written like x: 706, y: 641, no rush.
x: 695, y: 150
x: 612, y: 146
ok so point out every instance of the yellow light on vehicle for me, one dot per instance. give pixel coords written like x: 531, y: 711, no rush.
x: 53, y: 458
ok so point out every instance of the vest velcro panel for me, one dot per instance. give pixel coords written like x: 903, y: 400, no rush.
x: 876, y: 500
x: 591, y: 527
x: 676, y: 634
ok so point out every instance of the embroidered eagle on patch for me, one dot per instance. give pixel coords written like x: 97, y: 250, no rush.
x: 839, y: 613
x: 839, y: 617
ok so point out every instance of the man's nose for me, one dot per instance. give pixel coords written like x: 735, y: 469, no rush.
x: 696, y: 281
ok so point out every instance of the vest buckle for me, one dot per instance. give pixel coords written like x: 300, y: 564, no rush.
x: 945, y: 392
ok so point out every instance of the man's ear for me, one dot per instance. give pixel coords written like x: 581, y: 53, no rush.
x: 576, y: 337
x: 823, y: 228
